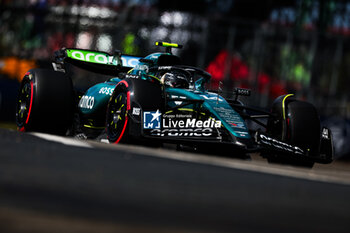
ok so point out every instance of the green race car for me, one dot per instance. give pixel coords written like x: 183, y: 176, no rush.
x: 157, y: 99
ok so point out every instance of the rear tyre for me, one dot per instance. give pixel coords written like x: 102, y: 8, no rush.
x: 45, y: 102
x: 117, y: 114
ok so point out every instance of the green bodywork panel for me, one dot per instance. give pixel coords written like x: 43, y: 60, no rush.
x: 142, y: 68
x: 218, y: 107
x: 97, y: 97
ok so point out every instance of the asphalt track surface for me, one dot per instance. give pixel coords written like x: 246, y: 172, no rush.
x: 52, y: 184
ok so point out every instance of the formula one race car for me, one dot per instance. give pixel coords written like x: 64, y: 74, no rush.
x: 156, y: 99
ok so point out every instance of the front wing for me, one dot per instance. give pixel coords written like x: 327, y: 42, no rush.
x: 273, y: 146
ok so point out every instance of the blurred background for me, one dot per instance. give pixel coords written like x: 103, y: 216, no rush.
x: 273, y: 47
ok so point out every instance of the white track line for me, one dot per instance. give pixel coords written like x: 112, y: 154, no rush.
x: 255, y: 166
x: 63, y: 140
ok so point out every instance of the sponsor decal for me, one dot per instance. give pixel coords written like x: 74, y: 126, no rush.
x: 216, y: 97
x: 151, y: 120
x: 191, y: 123
x: 129, y: 61
x: 325, y: 134
x: 242, y: 91
x: 102, y: 58
x: 165, y: 67
x: 106, y: 90
x: 237, y: 125
x: 231, y: 117
x: 89, y: 56
x: 267, y: 141
x: 199, y: 132
x: 242, y: 134
x: 154, y: 56
x: 136, y: 111
x: 132, y: 76
x: 184, y: 125
x: 178, y: 97
x: 180, y: 125
x: 141, y: 68
x: 87, y: 102
x: 178, y: 115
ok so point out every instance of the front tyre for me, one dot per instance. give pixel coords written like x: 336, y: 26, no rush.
x: 117, y: 113
x: 296, y: 123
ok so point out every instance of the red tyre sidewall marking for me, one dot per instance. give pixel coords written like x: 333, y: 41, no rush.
x: 31, y: 101
x: 127, y: 108
x: 288, y: 129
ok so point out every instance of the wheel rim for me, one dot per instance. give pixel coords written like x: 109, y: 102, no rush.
x: 117, y: 117
x: 24, y: 103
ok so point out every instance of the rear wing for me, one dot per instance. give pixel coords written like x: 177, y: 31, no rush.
x: 95, y: 61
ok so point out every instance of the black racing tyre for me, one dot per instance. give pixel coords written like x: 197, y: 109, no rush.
x: 117, y: 113
x: 45, y: 102
x: 304, y: 127
x: 296, y: 122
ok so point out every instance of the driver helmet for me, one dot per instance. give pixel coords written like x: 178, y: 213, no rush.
x: 174, y: 80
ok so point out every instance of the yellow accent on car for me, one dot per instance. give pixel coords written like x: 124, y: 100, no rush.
x: 167, y: 44
x: 186, y: 109
x: 93, y: 127
x: 283, y: 105
x: 152, y: 76
x: 180, y: 109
